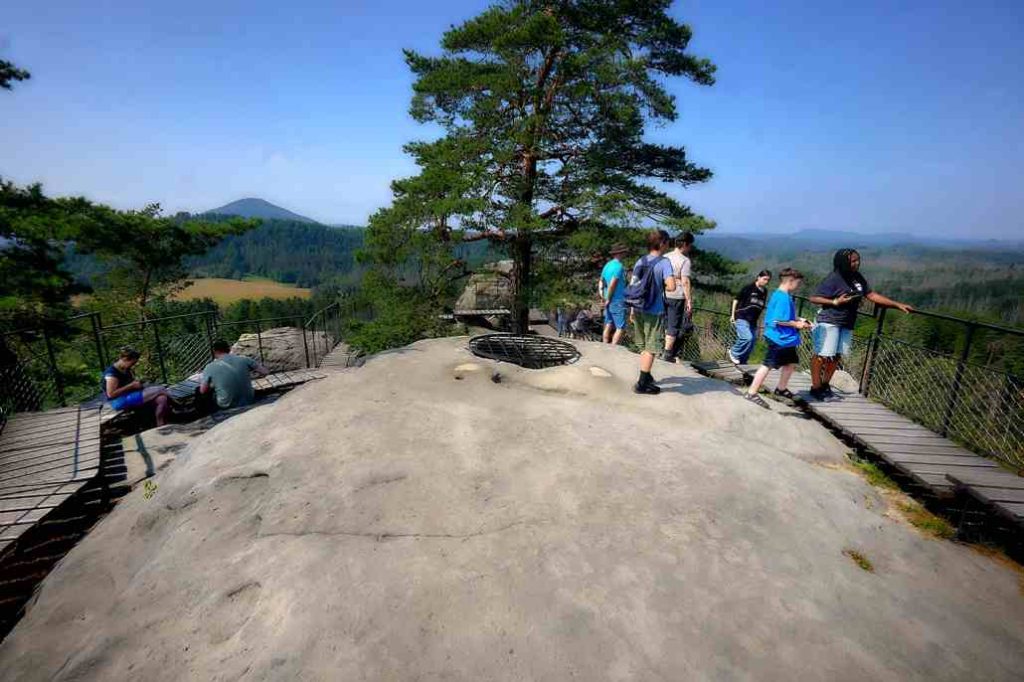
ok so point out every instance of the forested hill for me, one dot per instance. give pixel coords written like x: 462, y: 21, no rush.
x: 298, y: 253
x: 259, y: 208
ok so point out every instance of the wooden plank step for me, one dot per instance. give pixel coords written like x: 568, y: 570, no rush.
x: 1001, y: 479
x: 942, y: 460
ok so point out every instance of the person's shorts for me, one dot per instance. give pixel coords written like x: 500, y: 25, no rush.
x: 615, y: 315
x: 779, y: 356
x: 675, y: 316
x: 649, y: 332
x: 126, y: 401
x: 831, y: 340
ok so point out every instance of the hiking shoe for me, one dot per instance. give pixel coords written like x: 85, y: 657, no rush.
x: 646, y: 389
x: 756, y: 399
x: 784, y: 393
x: 668, y: 357
x: 820, y: 394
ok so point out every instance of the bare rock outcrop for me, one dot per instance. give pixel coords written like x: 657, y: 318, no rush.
x: 433, y: 515
x: 488, y: 290
x: 283, y: 347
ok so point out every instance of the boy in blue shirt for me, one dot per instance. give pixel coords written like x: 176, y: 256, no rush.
x: 612, y: 289
x: 782, y: 334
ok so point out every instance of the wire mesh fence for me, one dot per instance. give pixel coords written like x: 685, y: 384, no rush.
x: 62, y: 363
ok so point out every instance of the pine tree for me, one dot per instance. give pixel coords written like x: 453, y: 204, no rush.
x: 543, y: 104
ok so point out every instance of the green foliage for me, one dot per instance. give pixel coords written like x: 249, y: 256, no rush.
x: 33, y: 230
x: 543, y: 108
x: 9, y: 73
x: 145, y: 251
x: 858, y: 558
x: 873, y: 474
x: 392, y: 315
x: 303, y: 254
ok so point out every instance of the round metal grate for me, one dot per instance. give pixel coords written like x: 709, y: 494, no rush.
x: 532, y: 352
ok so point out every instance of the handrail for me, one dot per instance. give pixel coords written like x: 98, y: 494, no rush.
x: 150, y: 320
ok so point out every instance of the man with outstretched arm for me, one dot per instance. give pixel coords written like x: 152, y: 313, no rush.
x: 839, y: 296
x: 652, y: 277
x: 612, y: 290
x: 678, y: 301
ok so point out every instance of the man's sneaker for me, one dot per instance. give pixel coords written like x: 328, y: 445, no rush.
x: 646, y: 389
x: 668, y: 357
x: 820, y: 394
x: 756, y: 399
x: 733, y: 359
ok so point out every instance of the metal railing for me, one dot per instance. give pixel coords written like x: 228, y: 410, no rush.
x: 60, y: 363
x: 976, y: 404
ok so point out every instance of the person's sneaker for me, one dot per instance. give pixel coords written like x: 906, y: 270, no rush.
x: 827, y: 390
x: 819, y: 393
x: 668, y: 357
x: 733, y: 359
x: 646, y: 389
x: 756, y: 399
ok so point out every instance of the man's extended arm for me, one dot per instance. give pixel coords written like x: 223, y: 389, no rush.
x: 732, y: 313
x: 612, y: 286
x: 687, y: 293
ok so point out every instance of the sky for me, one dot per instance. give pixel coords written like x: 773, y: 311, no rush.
x: 872, y: 116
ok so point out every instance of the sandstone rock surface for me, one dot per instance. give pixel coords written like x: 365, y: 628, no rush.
x: 414, y: 520
x: 283, y: 347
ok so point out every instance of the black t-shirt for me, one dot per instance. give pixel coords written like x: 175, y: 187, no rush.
x: 124, y: 377
x: 750, y: 302
x: 835, y: 286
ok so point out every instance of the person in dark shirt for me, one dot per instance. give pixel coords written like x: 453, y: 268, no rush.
x: 839, y: 296
x: 124, y: 392
x: 746, y: 311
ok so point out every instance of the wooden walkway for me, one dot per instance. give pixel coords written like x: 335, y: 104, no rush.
x: 935, y: 464
x: 45, y: 458
x: 341, y: 357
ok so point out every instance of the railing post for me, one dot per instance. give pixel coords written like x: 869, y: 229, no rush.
x: 954, y: 394
x: 869, y: 361
x: 305, y: 345
x: 97, y: 337
x: 209, y: 335
x: 259, y: 340
x: 58, y: 381
x: 159, y: 351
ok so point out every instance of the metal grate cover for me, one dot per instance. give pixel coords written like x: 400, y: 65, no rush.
x: 531, y: 352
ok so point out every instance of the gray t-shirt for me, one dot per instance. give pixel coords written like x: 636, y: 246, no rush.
x: 680, y: 268
x: 229, y: 375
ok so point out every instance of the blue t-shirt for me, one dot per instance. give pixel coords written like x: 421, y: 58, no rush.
x: 781, y: 309
x: 613, y: 269
x: 662, y: 272
x: 124, y: 377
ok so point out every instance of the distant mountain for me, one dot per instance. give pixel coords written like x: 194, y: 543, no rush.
x: 258, y: 208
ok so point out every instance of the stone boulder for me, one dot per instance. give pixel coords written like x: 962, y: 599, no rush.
x: 488, y: 290
x: 283, y: 347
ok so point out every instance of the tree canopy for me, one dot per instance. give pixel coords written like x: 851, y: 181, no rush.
x: 10, y: 73
x: 544, y: 105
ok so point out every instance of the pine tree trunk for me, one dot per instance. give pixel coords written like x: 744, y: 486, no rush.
x: 522, y: 251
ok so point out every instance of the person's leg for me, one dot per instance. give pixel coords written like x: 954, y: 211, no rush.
x: 617, y: 336
x: 162, y: 407
x: 646, y: 362
x: 609, y: 329
x: 784, y: 375
x: 741, y: 350
x: 649, y: 330
x: 673, y: 323
x: 844, y: 344
x: 759, y: 376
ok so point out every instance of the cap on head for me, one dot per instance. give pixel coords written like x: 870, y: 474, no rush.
x: 618, y: 248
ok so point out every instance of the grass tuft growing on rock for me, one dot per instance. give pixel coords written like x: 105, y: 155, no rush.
x: 862, y: 561
x: 874, y: 475
x: 925, y: 521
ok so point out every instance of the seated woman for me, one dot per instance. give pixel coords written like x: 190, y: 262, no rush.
x: 124, y: 392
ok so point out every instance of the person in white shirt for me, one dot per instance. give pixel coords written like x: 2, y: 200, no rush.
x: 679, y: 302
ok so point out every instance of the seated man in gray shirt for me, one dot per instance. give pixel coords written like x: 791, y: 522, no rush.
x: 228, y: 376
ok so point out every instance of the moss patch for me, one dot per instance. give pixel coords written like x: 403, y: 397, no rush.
x: 862, y: 561
x: 874, y: 475
x: 922, y: 519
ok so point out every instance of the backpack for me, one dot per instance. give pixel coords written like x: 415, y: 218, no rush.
x: 644, y: 290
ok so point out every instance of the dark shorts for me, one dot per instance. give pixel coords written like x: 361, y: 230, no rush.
x: 778, y: 357
x: 675, y: 316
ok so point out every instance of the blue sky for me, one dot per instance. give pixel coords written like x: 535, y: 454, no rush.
x: 869, y: 116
